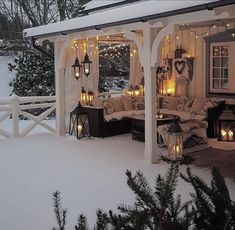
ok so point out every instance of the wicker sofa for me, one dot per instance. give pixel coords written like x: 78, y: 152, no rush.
x: 104, y: 123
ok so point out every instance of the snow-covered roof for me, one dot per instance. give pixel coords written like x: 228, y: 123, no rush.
x: 140, y: 11
x: 98, y: 3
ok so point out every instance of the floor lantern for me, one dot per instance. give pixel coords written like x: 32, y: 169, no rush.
x: 227, y: 126
x: 90, y: 97
x: 130, y: 91
x: 137, y: 91
x: 79, y: 122
x: 175, y: 142
x: 83, y: 96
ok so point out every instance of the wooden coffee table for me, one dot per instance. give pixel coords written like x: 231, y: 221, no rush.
x: 138, y: 124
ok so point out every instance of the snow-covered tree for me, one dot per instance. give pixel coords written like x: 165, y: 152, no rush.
x: 34, y: 74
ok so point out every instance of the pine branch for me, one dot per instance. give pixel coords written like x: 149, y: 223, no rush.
x: 139, y: 185
x: 102, y: 220
x: 82, y: 223
x: 60, y: 213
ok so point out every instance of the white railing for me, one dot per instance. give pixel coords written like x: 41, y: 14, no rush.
x: 14, y: 107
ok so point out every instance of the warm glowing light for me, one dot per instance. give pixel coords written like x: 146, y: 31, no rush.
x: 227, y: 135
x: 79, y: 129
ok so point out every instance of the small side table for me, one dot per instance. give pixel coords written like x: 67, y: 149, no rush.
x: 79, y: 122
x: 227, y: 126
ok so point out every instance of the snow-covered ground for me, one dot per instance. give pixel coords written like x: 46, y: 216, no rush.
x: 5, y: 76
x: 90, y: 173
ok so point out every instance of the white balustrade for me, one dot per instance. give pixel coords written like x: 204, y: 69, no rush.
x: 14, y: 107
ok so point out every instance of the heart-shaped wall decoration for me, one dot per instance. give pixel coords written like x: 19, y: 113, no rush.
x: 179, y: 66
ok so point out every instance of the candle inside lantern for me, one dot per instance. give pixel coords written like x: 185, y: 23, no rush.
x: 227, y: 135
x: 86, y: 71
x: 79, y: 130
x: 230, y: 135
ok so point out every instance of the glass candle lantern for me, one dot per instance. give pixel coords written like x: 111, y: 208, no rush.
x: 137, y: 91
x: 175, y: 142
x: 77, y: 69
x: 227, y: 126
x: 83, y: 96
x: 90, y: 97
x: 87, y: 65
x: 79, y: 122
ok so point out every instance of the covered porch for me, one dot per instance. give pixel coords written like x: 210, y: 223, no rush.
x: 155, y: 30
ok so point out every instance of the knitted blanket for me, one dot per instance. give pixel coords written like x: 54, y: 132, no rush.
x: 189, y: 127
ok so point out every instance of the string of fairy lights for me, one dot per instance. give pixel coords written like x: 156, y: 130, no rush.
x: 105, y: 46
x: 206, y: 31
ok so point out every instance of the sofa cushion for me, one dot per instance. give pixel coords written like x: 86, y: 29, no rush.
x: 210, y: 103
x: 165, y: 101
x: 197, y: 105
x: 188, y: 105
x: 138, y: 103
x: 97, y: 102
x: 183, y: 115
x: 117, y: 104
x: 173, y: 103
x: 108, y: 106
x: 118, y: 115
x: 127, y: 102
x: 182, y: 102
x: 137, y: 112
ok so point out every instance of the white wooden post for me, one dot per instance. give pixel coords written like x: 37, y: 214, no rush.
x: 151, y: 153
x: 15, y: 115
x: 60, y: 91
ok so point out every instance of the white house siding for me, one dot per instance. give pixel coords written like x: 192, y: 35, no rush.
x: 196, y: 47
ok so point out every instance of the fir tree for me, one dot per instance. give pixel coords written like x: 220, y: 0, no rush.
x: 212, y: 204
x: 82, y: 223
x: 60, y: 213
x: 157, y: 209
x: 34, y: 74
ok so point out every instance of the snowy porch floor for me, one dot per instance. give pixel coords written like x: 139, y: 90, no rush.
x: 90, y: 174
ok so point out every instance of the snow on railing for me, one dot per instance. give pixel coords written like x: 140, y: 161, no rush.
x: 14, y: 107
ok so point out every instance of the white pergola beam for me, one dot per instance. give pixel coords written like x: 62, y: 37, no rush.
x: 60, y: 89
x: 151, y: 151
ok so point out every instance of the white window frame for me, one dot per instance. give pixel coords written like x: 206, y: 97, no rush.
x: 218, y: 90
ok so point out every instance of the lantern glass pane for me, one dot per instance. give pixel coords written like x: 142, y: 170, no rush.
x: 175, y: 146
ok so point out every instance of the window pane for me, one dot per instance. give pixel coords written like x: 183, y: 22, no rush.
x: 114, y: 66
x: 224, y: 83
x: 224, y: 73
x: 216, y: 73
x: 216, y: 62
x: 224, y: 51
x: 216, y: 51
x: 224, y: 61
x: 216, y: 84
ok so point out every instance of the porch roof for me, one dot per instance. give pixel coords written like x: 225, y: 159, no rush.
x: 138, y: 12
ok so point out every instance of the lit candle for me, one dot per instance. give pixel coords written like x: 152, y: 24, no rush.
x: 230, y: 134
x: 223, y: 134
x: 86, y: 71
x: 160, y: 115
x: 79, y: 130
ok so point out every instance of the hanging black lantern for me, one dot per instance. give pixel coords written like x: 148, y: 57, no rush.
x: 87, y: 65
x: 77, y: 69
